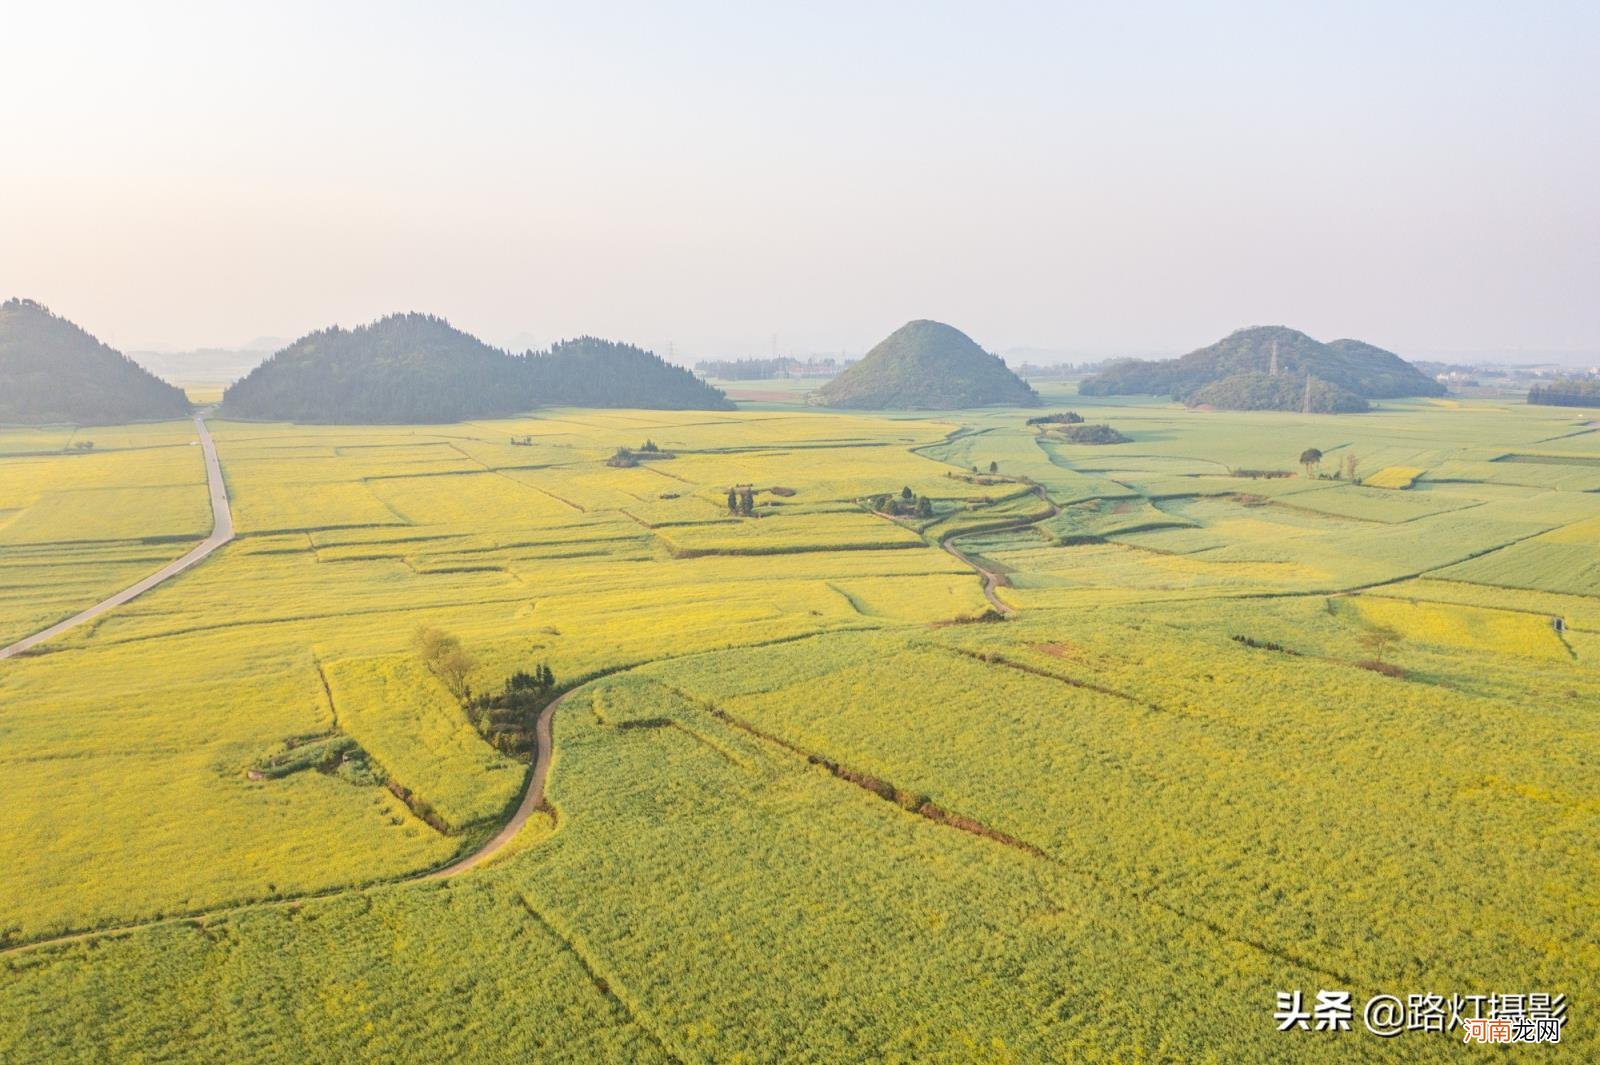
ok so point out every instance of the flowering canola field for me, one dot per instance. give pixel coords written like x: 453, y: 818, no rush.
x: 1233, y: 734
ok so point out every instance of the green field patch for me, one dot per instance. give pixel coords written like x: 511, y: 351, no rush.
x: 1566, y: 560
x: 1592, y: 461
x: 1378, y: 504
x: 1101, y: 518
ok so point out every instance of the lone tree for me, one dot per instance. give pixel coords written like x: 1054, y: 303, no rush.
x: 444, y: 656
x: 906, y: 493
x: 994, y: 467
x: 1379, y: 640
x: 1310, y: 458
x: 747, y: 501
x: 733, y: 501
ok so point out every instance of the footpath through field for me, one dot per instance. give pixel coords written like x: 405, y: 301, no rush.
x: 532, y: 799
x: 221, y: 533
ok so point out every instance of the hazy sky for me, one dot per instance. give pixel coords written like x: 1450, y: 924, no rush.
x: 1095, y: 178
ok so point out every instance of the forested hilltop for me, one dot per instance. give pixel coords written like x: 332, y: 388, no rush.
x: 417, y: 368
x: 1271, y: 368
x: 590, y: 372
x: 53, y: 371
x: 926, y: 365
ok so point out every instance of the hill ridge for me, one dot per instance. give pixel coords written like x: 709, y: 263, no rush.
x: 1271, y: 367
x: 411, y: 368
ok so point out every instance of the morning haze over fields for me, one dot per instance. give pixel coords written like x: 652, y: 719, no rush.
x: 910, y: 533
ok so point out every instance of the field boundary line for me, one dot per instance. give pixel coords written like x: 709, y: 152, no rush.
x: 607, y: 987
x: 925, y: 808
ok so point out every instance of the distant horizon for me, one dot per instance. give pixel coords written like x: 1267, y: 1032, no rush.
x: 1073, y: 178
x: 1037, y: 354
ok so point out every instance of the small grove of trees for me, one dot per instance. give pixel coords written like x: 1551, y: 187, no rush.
x: 906, y: 504
x: 742, y: 501
x: 1066, y: 417
x: 445, y: 658
x: 1567, y: 392
x: 646, y: 452
x: 1093, y: 434
x: 1070, y: 425
x: 1311, y: 458
x: 507, y: 719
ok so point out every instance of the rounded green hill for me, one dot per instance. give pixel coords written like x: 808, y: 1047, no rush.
x: 53, y: 371
x: 926, y: 365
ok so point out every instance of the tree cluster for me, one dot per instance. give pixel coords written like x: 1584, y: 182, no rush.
x: 1311, y: 458
x: 649, y: 452
x: 1066, y: 417
x: 1567, y: 392
x: 507, y: 719
x: 1093, y: 434
x: 905, y: 505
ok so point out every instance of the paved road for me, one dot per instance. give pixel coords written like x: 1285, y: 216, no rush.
x: 221, y: 533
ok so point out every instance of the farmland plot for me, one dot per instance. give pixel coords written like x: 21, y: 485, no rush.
x: 1284, y: 747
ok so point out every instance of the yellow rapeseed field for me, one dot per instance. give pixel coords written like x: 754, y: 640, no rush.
x: 1243, y: 733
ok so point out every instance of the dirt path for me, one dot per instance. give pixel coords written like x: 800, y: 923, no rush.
x: 221, y: 533
x: 532, y: 799
x: 993, y: 579
x: 990, y: 578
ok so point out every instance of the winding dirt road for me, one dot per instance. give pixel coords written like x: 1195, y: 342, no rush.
x: 221, y: 533
x: 532, y: 799
x: 992, y: 579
